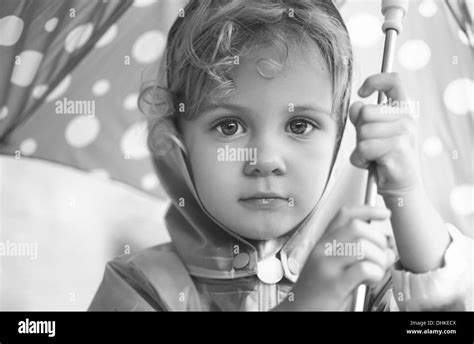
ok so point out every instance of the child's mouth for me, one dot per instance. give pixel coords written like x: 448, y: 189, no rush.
x: 263, y: 203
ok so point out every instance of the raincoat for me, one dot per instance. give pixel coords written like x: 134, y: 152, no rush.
x: 207, y: 267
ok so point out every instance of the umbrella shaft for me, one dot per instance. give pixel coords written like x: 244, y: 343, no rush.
x: 371, y: 190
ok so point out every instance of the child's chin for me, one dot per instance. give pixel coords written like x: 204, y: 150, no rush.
x: 264, y: 233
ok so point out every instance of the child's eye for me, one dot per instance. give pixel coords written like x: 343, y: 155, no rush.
x: 300, y: 126
x: 229, y: 127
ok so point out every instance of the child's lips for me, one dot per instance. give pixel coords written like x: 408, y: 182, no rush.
x: 264, y: 194
x: 263, y: 203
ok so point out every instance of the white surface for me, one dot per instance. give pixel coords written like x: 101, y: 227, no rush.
x: 78, y: 222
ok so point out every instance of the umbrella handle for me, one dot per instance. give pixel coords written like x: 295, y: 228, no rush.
x: 394, y: 11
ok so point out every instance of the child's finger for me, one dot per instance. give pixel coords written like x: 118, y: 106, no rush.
x: 358, y: 230
x: 373, y: 253
x: 360, y: 113
x: 346, y: 215
x: 389, y: 83
x: 367, y: 250
x: 352, y: 252
x: 354, y: 111
x: 362, y: 230
x: 363, y: 272
x: 371, y: 150
x: 379, y: 130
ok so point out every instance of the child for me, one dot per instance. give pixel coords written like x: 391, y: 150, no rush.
x: 248, y: 120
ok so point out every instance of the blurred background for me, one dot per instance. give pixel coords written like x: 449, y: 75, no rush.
x: 77, y: 184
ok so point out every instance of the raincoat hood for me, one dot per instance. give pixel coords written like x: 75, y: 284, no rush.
x: 209, y: 267
x: 208, y: 248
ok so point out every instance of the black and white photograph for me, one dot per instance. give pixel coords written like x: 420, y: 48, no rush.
x: 237, y: 155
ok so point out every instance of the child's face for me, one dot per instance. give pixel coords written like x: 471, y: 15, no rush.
x: 289, y: 135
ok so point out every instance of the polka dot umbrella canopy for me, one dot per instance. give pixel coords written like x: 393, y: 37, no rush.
x: 70, y: 73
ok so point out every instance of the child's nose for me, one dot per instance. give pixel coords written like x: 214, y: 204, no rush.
x: 269, y: 157
x: 265, y: 166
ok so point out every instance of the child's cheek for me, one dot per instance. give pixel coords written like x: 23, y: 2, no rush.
x: 311, y: 165
x: 212, y: 177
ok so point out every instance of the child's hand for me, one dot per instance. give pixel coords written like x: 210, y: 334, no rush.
x: 328, y: 280
x: 387, y: 135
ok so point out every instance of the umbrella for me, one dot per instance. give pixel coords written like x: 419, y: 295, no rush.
x: 70, y: 73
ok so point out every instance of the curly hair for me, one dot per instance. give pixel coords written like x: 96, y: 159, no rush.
x: 204, y: 42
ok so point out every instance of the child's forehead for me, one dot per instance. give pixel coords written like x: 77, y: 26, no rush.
x: 272, y: 75
x: 301, y: 82
x: 268, y: 61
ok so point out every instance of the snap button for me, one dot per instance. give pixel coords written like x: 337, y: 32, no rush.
x: 270, y: 270
x: 241, y: 260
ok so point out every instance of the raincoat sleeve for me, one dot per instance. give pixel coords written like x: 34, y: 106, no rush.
x: 124, y: 289
x: 448, y: 288
x: 154, y: 279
